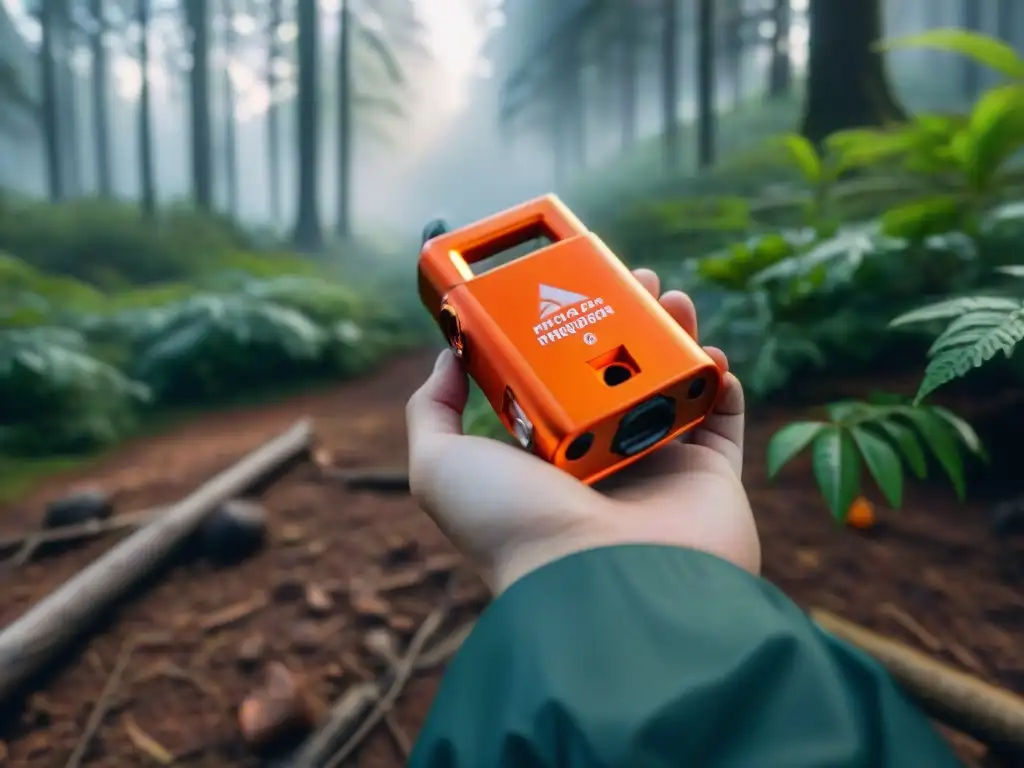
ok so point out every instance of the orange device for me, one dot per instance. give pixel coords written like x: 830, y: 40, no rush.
x: 583, y: 366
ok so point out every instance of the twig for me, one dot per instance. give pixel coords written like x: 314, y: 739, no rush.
x: 146, y: 743
x: 99, y: 711
x: 381, y: 480
x: 343, y: 716
x: 234, y: 613
x: 398, y: 735
x: 909, y: 623
x: 444, y: 649
x: 402, y: 674
x: 26, y: 544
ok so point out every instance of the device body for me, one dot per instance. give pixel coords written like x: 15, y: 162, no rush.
x: 583, y: 366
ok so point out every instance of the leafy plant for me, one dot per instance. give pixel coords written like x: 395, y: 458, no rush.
x: 979, y: 328
x: 55, y: 397
x: 882, y: 436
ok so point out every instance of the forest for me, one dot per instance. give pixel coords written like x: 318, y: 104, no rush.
x: 210, y: 215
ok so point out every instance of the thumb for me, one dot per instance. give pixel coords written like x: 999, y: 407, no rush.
x: 435, y: 409
x: 722, y: 430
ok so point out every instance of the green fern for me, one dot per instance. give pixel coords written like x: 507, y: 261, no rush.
x: 883, y: 437
x: 979, y: 328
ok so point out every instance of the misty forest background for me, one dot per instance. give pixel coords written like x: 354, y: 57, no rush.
x: 199, y: 193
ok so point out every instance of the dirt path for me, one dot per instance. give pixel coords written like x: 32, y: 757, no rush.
x: 931, y: 575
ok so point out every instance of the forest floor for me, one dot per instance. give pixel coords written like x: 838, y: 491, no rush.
x: 930, y: 575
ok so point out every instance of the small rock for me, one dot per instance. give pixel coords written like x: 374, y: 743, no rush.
x: 77, y: 508
x: 287, y: 589
x: 370, y: 606
x: 401, y: 624
x: 233, y: 531
x: 808, y: 559
x: 251, y: 651
x: 316, y: 547
x: 291, y: 534
x: 401, y: 551
x: 282, y: 707
x: 305, y: 637
x: 318, y: 601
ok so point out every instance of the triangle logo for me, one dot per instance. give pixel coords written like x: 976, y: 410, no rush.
x: 553, y: 299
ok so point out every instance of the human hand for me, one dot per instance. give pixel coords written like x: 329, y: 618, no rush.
x: 512, y: 512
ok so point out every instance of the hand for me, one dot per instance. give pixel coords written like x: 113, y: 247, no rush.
x: 512, y: 512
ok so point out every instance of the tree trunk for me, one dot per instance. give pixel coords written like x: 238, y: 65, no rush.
x: 51, y: 107
x: 147, y: 181
x: 780, y: 72
x: 670, y: 83
x: 67, y: 92
x: 732, y: 31
x: 705, y: 84
x: 230, y: 132
x: 343, y: 225
x: 629, y: 72
x: 198, y: 15
x: 100, y: 104
x: 274, y: 114
x: 1006, y: 20
x: 971, y: 73
x: 847, y: 82
x: 307, y: 235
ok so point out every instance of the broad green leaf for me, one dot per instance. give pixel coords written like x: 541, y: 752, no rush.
x: 937, y: 436
x: 837, y: 470
x: 985, y: 50
x: 860, y: 147
x: 995, y: 133
x: 804, y: 156
x: 883, y: 463
x: 789, y: 441
x: 909, y: 446
x: 922, y: 218
x: 1013, y: 270
x: 962, y: 429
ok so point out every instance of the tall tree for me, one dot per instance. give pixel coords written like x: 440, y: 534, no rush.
x: 99, y: 80
x: 147, y: 177
x: 971, y: 74
x: 780, y: 69
x: 307, y: 234
x: 197, y: 14
x: 705, y: 84
x: 629, y: 53
x: 230, y: 124
x: 847, y: 82
x: 670, y: 82
x: 343, y: 222
x: 274, y: 111
x: 48, y: 16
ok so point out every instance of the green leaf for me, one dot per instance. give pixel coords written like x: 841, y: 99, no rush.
x: 944, y: 310
x: 837, y: 470
x: 789, y: 441
x: 922, y: 218
x: 937, y: 435
x: 883, y: 463
x: 804, y: 156
x: 983, y: 49
x: 909, y: 445
x: 963, y: 430
x: 994, y: 134
x: 1013, y: 270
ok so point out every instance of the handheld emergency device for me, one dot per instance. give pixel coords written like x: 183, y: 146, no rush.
x: 582, y: 365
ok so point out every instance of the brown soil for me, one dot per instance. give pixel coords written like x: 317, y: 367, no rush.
x: 930, y: 575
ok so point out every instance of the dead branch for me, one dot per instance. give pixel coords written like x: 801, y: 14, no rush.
x: 24, y: 545
x: 234, y: 613
x: 402, y: 674
x: 31, y: 641
x: 379, y: 480
x: 980, y: 710
x: 99, y: 711
x: 346, y: 713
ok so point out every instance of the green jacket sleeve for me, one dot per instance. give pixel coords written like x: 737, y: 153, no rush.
x: 646, y: 656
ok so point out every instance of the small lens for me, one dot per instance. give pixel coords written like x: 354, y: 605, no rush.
x: 578, y: 448
x: 615, y: 374
x: 697, y: 387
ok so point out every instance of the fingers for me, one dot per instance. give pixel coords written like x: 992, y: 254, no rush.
x: 649, y: 279
x: 722, y: 430
x: 435, y: 409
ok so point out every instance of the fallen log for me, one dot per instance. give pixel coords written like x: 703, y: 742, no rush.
x: 35, y: 638
x: 377, y: 480
x: 25, y: 544
x: 989, y: 714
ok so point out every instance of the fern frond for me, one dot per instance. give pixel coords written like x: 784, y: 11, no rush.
x: 951, y: 308
x: 970, y: 342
